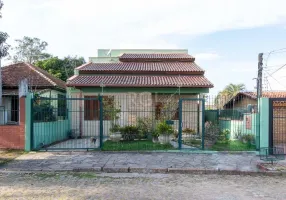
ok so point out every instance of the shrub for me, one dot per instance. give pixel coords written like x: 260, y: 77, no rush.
x: 144, y: 126
x: 129, y: 133
x: 224, y: 135
x: 248, y: 137
x: 212, y: 131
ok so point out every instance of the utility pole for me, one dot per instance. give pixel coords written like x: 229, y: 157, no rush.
x: 259, y: 76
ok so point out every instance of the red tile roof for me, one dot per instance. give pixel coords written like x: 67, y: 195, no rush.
x: 147, y: 57
x: 268, y: 94
x: 142, y: 67
x: 140, y: 81
x: 12, y: 74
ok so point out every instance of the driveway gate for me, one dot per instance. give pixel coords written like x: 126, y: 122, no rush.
x: 191, y: 124
x: 277, y: 123
x: 66, y: 123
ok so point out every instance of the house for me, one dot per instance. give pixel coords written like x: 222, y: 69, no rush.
x: 38, y: 80
x: 245, y: 99
x: 143, y: 83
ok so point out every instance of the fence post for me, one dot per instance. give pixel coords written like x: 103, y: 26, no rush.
x: 203, y: 124
x: 100, y: 122
x: 180, y: 125
x: 28, y: 122
x: 32, y: 124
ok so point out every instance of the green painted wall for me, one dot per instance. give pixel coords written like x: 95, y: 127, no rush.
x: 152, y: 90
x: 239, y: 126
x: 104, y: 57
x: 264, y: 122
x: 49, y: 132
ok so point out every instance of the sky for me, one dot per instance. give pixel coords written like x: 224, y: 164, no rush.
x: 225, y: 36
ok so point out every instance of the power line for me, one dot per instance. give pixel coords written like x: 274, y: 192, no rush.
x: 278, y: 69
x: 275, y: 79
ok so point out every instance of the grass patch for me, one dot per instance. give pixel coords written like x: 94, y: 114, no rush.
x: 137, y: 145
x: 232, y: 146
x: 9, y: 155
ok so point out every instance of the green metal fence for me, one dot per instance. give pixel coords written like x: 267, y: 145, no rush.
x: 139, y: 122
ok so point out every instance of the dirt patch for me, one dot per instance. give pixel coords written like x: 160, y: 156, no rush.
x: 139, y: 186
x: 9, y: 155
x: 271, y: 167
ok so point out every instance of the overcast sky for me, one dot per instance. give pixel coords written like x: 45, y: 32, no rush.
x: 225, y: 36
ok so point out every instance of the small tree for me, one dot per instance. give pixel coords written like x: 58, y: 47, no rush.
x: 111, y: 111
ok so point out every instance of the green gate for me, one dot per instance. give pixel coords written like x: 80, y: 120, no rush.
x: 66, y: 123
x: 191, y: 124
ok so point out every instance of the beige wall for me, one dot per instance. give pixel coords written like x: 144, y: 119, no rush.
x: 133, y: 106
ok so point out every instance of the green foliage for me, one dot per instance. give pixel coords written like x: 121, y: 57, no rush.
x: 1, y: 5
x: 164, y: 129
x: 232, y: 146
x: 29, y: 50
x: 145, y: 126
x: 224, y: 135
x: 111, y: 109
x: 189, y: 131
x: 129, y: 132
x: 4, y: 47
x: 248, y: 138
x: 228, y: 93
x: 44, y: 112
x: 60, y: 68
x: 155, y: 134
x: 115, y: 128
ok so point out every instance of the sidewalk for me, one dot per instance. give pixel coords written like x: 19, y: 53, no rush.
x: 135, y: 162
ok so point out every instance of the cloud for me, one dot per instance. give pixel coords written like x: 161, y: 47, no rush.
x: 207, y: 56
x: 81, y: 27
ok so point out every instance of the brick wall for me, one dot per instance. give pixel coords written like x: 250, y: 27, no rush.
x: 13, y: 136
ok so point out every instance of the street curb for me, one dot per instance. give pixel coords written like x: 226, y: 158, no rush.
x: 154, y: 171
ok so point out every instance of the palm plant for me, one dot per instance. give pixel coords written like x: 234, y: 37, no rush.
x: 228, y: 93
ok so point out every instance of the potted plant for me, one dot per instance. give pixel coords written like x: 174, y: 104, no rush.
x: 115, y: 135
x: 165, y: 131
x: 155, y: 136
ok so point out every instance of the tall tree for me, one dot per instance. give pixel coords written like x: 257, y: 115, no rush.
x: 61, y: 68
x: 4, y: 47
x: 29, y: 50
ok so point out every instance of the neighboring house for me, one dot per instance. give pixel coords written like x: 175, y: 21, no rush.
x: 142, y: 82
x: 39, y: 81
x: 244, y: 99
